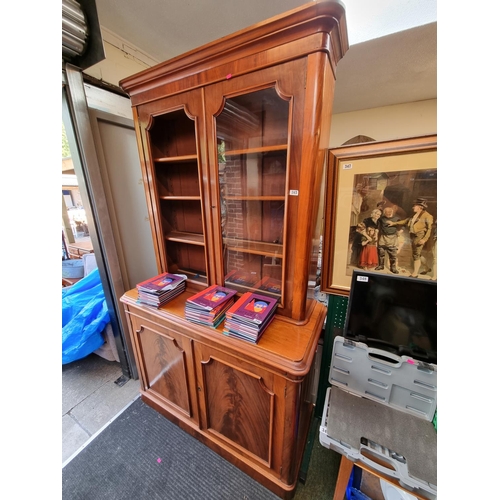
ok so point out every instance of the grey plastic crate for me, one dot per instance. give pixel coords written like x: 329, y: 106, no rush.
x: 379, y: 411
x: 400, y: 382
x: 365, y: 431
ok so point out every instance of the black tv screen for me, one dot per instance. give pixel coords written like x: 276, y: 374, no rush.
x: 393, y: 313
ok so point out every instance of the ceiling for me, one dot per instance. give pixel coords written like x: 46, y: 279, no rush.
x: 398, y: 63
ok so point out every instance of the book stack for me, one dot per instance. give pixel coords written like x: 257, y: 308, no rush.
x: 249, y: 316
x: 209, y: 306
x: 161, y: 289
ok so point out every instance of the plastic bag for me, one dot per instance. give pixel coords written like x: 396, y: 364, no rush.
x: 84, y: 316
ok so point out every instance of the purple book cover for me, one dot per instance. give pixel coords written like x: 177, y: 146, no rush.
x: 165, y: 281
x: 253, y: 307
x: 211, y: 297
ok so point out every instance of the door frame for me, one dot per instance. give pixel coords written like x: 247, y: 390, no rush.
x: 86, y: 163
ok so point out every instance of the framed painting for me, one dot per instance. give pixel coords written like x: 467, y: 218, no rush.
x: 380, y: 211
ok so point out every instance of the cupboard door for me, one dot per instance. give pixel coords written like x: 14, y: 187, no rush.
x: 252, y: 183
x: 163, y: 365
x: 171, y: 131
x: 256, y: 120
x: 238, y: 405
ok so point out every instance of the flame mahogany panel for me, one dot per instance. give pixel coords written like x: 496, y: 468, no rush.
x: 239, y: 407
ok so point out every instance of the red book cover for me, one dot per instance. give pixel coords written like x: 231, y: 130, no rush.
x: 158, y: 300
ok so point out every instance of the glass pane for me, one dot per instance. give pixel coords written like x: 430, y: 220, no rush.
x: 258, y: 119
x: 75, y: 229
x: 252, y: 134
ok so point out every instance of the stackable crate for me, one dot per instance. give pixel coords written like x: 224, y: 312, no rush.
x: 379, y: 411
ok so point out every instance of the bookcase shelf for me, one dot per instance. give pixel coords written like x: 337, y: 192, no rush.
x: 248, y: 151
x: 189, y: 238
x: 176, y: 159
x: 177, y: 179
x: 256, y: 198
x: 255, y: 247
x: 179, y: 198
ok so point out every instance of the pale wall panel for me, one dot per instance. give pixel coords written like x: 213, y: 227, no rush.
x: 386, y: 123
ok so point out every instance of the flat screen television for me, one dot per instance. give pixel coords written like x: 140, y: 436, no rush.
x: 393, y: 313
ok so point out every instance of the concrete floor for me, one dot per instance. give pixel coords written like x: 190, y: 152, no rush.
x: 90, y: 396
x: 90, y: 399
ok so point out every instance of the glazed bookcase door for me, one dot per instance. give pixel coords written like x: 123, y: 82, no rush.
x: 171, y: 134
x: 252, y: 142
x: 257, y: 126
x: 252, y: 128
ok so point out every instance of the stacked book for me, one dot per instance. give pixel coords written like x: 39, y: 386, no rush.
x: 161, y: 289
x: 209, y: 306
x: 250, y: 316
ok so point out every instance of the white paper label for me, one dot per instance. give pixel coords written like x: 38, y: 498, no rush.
x: 294, y: 192
x: 362, y: 278
x: 347, y: 166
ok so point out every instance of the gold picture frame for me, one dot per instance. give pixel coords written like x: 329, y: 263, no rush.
x: 362, y: 181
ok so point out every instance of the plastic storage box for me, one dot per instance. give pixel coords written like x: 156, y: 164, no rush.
x: 72, y: 268
x: 379, y: 411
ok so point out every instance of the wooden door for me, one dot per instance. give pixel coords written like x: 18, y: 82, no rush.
x: 164, y: 365
x: 240, y: 406
x: 255, y: 164
x: 172, y: 136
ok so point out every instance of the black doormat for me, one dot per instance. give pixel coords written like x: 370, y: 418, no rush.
x: 143, y: 456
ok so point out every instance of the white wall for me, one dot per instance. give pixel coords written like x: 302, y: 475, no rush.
x: 112, y: 125
x: 386, y: 123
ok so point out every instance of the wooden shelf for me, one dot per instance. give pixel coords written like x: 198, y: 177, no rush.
x: 254, y: 247
x: 249, y: 151
x: 188, y: 238
x: 255, y: 198
x: 193, y: 276
x: 176, y: 159
x: 181, y: 198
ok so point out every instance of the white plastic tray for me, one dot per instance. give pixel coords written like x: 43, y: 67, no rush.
x: 400, y: 382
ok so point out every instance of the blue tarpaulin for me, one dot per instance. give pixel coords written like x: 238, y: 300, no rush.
x: 84, y: 316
